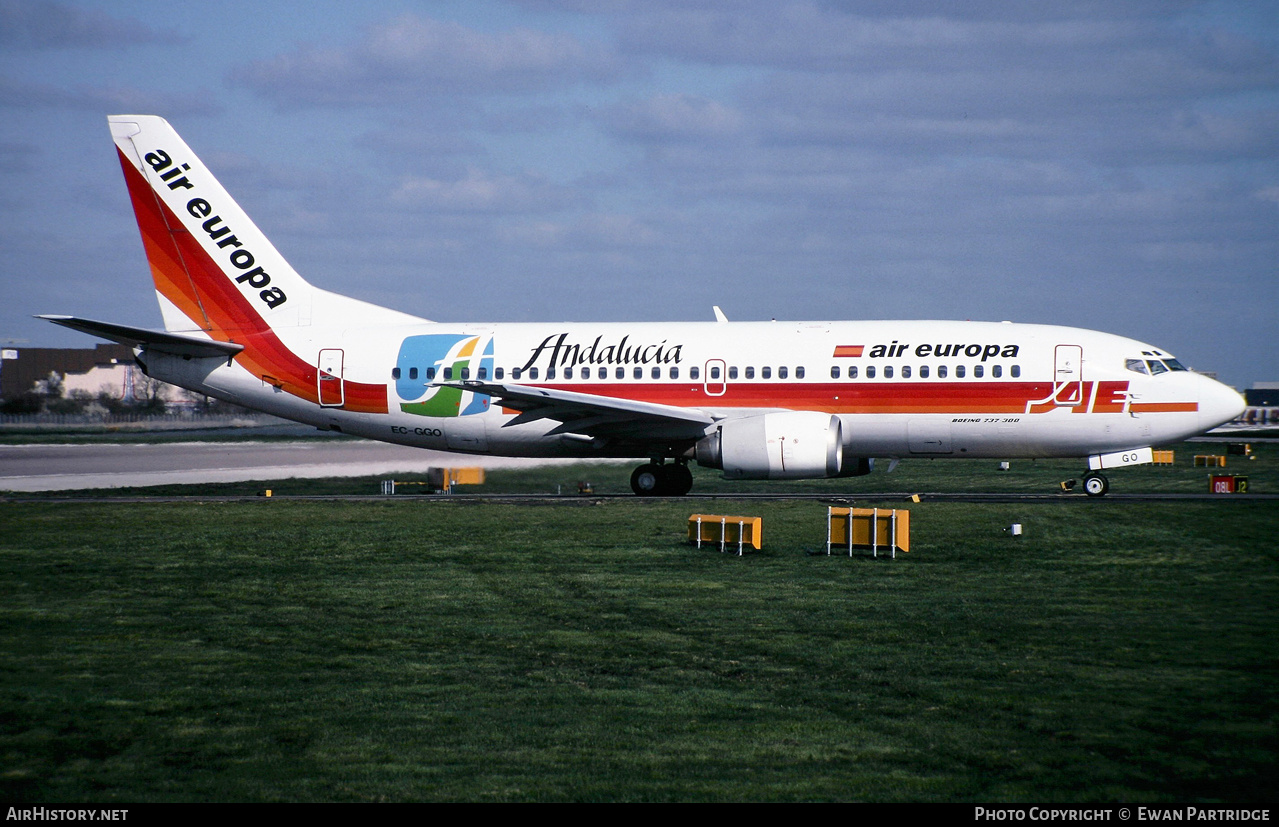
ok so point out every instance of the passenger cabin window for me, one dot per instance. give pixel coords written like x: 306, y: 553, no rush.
x: 870, y: 371
x: 715, y: 372
x: 923, y: 371
x: 732, y: 372
x: 765, y: 373
x: 905, y: 371
x: 959, y: 371
x: 694, y: 372
x: 888, y: 371
x: 941, y: 371
x: 466, y: 373
x: 395, y: 373
x: 852, y: 372
x: 978, y: 370
x: 1016, y: 371
x: 799, y: 373
x: 674, y: 373
x: 639, y: 373
x: 412, y: 373
x: 781, y: 372
x: 750, y: 373
x: 499, y: 373
x: 657, y: 373
x: 430, y: 374
x: 834, y: 372
x: 997, y: 371
x: 620, y: 373
x: 515, y: 373
x: 603, y: 373
x: 532, y: 373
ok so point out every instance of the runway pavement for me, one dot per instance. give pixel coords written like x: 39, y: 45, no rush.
x: 118, y: 465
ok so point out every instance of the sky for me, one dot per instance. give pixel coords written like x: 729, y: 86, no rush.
x: 1094, y: 163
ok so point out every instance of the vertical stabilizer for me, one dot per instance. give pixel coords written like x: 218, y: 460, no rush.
x: 214, y: 270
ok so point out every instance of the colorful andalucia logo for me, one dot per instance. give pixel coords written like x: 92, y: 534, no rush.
x: 442, y: 357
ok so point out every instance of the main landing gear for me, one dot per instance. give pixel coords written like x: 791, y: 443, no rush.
x: 657, y: 479
x: 1095, y: 484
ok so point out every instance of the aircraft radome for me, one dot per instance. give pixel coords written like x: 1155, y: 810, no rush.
x: 759, y: 400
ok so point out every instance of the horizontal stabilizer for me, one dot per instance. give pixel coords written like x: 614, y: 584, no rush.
x: 157, y: 340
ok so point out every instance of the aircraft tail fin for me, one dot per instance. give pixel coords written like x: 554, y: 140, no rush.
x: 214, y: 270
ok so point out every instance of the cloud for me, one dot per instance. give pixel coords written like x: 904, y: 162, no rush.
x: 668, y: 117
x: 593, y: 232
x: 29, y: 24
x: 938, y: 57
x: 482, y: 193
x: 399, y: 63
x: 17, y: 157
x: 103, y: 99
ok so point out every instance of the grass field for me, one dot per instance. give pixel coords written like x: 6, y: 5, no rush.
x: 394, y: 650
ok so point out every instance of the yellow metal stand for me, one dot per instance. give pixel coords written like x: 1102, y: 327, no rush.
x: 716, y: 528
x: 872, y: 528
x: 442, y: 479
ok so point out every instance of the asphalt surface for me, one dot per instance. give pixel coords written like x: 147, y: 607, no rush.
x: 26, y: 468
x: 66, y: 467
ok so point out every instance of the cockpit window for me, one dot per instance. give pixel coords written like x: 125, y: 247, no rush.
x: 1153, y: 367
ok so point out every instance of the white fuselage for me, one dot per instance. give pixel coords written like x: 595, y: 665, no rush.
x: 900, y: 388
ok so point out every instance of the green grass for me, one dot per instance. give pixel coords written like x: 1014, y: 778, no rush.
x: 423, y: 650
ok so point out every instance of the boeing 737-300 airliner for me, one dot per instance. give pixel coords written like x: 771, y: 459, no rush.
x: 758, y: 400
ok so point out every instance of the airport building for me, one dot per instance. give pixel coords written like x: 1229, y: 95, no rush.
x: 1263, y: 404
x: 107, y: 367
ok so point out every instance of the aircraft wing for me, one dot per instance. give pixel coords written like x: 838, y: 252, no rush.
x: 157, y: 340
x: 592, y: 414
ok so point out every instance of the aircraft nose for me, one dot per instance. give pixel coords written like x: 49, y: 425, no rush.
x: 1218, y: 404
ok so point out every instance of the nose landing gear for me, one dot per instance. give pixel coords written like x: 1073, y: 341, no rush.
x: 1095, y: 484
x: 657, y: 479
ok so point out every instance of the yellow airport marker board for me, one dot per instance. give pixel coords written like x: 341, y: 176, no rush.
x: 873, y: 528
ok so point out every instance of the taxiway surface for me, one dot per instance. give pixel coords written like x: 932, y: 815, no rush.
x: 118, y: 465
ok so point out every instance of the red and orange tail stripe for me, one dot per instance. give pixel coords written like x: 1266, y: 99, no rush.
x: 189, y: 278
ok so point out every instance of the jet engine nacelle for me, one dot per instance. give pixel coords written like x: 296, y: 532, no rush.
x: 776, y: 446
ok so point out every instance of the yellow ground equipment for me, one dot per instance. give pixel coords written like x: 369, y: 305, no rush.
x: 873, y: 528
x: 726, y: 532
